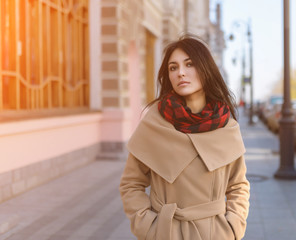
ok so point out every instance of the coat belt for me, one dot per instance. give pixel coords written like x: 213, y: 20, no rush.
x: 166, y: 213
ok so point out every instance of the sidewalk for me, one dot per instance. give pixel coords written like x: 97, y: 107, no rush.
x: 273, y: 202
x: 85, y: 204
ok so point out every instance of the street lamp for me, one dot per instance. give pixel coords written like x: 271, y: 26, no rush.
x: 244, y: 78
x: 287, y: 122
x: 251, y: 73
x: 243, y: 61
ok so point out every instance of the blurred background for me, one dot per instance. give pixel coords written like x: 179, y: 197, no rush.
x: 75, y: 74
x: 266, y: 23
x: 74, y: 78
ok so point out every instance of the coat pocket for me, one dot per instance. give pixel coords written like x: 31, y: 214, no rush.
x: 151, y: 234
x: 221, y: 228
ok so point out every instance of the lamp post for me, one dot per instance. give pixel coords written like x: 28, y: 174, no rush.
x: 251, y: 74
x: 244, y: 78
x: 242, y: 81
x: 286, y: 169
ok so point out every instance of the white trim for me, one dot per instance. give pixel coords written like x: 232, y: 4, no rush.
x: 157, y: 59
x: 95, y: 54
x: 153, y: 18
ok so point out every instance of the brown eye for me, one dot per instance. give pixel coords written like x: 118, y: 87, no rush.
x: 172, y: 68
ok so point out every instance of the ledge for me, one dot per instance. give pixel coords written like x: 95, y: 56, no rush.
x: 20, y: 115
x: 21, y: 122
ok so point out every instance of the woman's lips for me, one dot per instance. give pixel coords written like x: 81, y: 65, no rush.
x: 183, y: 83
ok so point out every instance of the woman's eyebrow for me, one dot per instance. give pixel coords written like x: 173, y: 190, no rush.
x: 185, y: 60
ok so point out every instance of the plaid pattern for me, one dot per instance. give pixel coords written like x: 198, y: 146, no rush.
x: 173, y: 108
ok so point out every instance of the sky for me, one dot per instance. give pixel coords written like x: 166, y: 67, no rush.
x: 266, y: 18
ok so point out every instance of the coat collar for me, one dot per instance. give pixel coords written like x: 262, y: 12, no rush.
x: 168, y: 152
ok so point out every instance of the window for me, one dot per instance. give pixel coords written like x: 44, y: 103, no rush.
x: 44, y: 62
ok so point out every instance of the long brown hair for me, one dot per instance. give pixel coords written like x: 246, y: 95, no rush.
x: 212, y: 81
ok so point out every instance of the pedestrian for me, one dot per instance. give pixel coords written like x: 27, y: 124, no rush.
x: 188, y: 149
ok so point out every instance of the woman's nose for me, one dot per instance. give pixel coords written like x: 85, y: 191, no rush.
x: 181, y: 72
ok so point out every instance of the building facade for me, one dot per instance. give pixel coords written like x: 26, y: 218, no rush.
x: 74, y: 78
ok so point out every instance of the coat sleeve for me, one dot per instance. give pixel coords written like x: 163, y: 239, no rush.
x: 136, y: 203
x: 237, y: 194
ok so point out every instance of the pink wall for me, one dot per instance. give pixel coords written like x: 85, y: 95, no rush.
x: 26, y: 142
x: 115, y: 125
x: 134, y: 84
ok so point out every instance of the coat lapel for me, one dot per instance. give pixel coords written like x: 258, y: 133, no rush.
x: 158, y: 145
x: 219, y: 147
x: 168, y: 152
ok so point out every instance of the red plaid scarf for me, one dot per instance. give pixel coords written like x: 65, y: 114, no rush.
x: 173, y: 108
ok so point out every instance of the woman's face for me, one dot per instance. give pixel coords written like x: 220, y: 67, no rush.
x: 183, y: 75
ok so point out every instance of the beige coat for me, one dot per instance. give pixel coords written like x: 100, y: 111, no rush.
x: 199, y: 190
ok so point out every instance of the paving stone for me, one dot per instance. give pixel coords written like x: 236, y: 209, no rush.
x: 8, y: 222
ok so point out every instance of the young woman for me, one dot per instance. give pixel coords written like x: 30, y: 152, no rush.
x: 189, y: 150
